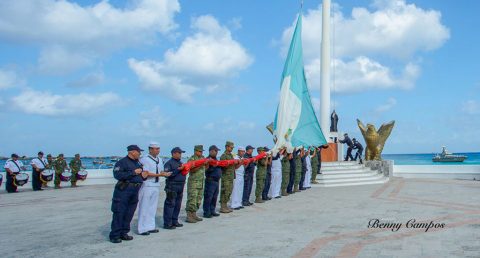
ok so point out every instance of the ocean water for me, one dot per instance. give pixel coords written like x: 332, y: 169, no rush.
x: 399, y: 159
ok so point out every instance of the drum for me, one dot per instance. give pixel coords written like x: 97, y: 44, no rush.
x: 82, y: 174
x: 1, y: 179
x: 20, y: 179
x: 46, y: 175
x: 65, y: 176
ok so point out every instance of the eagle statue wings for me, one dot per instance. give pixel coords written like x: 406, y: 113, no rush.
x: 374, y: 139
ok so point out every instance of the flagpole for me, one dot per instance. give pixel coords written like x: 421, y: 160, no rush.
x: 325, y: 71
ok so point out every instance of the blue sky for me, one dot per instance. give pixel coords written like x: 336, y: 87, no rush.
x: 92, y: 77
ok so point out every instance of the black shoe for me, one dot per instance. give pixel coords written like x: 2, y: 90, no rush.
x: 245, y: 204
x: 208, y: 216
x: 269, y: 198
x: 178, y: 225
x: 251, y: 203
x: 126, y: 237
x: 238, y: 208
x: 154, y: 231
x: 215, y: 214
x: 241, y: 207
x: 278, y: 197
x: 145, y: 233
x: 116, y: 240
x: 169, y: 227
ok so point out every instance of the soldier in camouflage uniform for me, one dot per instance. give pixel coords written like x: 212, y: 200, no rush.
x: 261, y: 174
x: 286, y: 171
x: 298, y: 170
x: 75, y: 166
x: 315, y: 168
x: 59, y: 165
x: 228, y: 175
x: 196, y: 178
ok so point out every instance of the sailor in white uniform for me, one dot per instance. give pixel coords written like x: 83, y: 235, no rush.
x: 308, y: 174
x: 237, y: 192
x: 12, y: 167
x: 276, y: 183
x: 148, y: 194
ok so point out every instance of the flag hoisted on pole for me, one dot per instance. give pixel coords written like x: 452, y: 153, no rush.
x: 295, y: 123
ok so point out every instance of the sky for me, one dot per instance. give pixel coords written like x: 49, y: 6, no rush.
x: 92, y: 77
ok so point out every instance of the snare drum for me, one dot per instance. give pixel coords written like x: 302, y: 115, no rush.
x: 46, y: 175
x: 65, y: 176
x: 1, y: 179
x: 20, y: 179
x: 82, y: 175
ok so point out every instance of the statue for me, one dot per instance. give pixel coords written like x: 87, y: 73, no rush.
x: 333, y: 122
x: 375, y: 140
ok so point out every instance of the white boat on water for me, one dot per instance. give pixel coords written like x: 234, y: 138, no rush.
x: 445, y: 156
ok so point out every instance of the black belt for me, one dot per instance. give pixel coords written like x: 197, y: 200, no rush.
x: 123, y: 184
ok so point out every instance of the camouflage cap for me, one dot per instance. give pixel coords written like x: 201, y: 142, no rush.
x: 260, y: 149
x: 198, y: 148
x: 229, y: 144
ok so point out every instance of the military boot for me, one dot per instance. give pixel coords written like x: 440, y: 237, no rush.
x: 295, y: 189
x: 196, y: 217
x: 284, y: 193
x: 259, y: 200
x: 224, y: 208
x: 190, y: 217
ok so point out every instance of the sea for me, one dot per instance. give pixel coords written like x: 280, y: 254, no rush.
x: 399, y: 159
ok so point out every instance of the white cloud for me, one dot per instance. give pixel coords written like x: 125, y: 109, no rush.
x: 152, y: 123
x: 217, y: 57
x: 84, y: 32
x: 58, y: 60
x: 471, y: 107
x: 8, y: 79
x: 48, y: 104
x: 367, y: 43
x: 246, y: 125
x: 391, y: 102
x: 89, y: 80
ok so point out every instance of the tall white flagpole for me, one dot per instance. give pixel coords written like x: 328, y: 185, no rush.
x: 325, y: 71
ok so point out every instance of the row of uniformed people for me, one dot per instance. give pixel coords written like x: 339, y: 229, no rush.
x: 138, y: 183
x: 14, y: 166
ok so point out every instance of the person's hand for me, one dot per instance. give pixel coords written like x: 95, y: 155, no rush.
x: 181, y: 167
x: 144, y: 174
x: 165, y: 174
x: 138, y: 171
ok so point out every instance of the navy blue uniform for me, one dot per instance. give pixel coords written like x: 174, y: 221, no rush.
x: 248, y: 180
x: 349, y: 149
x: 304, y: 171
x: 210, y: 194
x: 268, y: 179
x: 359, y: 148
x: 292, y: 173
x: 125, y: 195
x: 174, y: 191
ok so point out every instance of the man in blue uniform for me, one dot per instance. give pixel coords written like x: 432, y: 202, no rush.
x: 349, y: 143
x: 248, y: 177
x: 212, y: 177
x: 174, y: 190
x: 359, y: 147
x: 292, y: 173
x: 130, y: 175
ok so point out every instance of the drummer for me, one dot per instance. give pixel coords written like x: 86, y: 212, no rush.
x: 13, y: 167
x: 75, y: 165
x: 59, y: 165
x: 49, y: 165
x: 38, y: 165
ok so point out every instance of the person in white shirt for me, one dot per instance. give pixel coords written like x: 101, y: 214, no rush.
x: 148, y: 194
x: 308, y: 174
x: 276, y: 175
x: 13, y: 167
x: 237, y: 192
x: 38, y: 165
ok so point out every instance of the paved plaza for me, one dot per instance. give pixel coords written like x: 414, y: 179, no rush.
x: 320, y: 222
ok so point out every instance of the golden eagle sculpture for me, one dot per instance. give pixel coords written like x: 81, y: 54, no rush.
x: 374, y: 139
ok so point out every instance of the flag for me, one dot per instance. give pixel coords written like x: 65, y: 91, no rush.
x: 295, y: 123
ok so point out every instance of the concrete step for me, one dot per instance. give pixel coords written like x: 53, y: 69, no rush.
x: 347, y: 175
x: 367, y: 182
x: 343, y: 171
x: 339, y: 163
x: 340, y: 168
x: 351, y: 179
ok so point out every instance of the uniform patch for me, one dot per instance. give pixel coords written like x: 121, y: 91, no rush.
x: 116, y: 169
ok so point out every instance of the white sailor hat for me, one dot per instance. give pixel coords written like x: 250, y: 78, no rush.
x: 154, y: 145
x: 240, y: 148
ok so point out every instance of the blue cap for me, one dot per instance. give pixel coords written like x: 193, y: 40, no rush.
x: 177, y: 149
x: 249, y: 147
x: 133, y: 147
x: 213, y: 147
